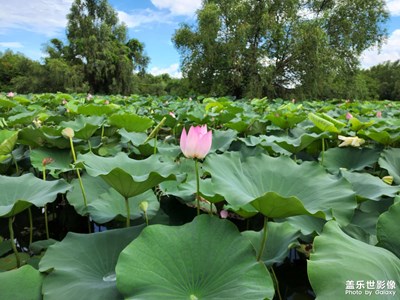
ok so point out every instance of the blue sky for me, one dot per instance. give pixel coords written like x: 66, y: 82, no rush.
x: 25, y: 26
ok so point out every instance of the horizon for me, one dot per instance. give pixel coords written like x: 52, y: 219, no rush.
x: 23, y: 29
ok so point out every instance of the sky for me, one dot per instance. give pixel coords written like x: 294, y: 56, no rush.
x: 27, y: 25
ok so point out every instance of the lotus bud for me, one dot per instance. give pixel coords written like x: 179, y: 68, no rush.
x: 223, y: 214
x: 144, y: 205
x: 388, y: 179
x: 10, y: 94
x: 68, y: 133
x: 379, y: 114
x: 349, y: 116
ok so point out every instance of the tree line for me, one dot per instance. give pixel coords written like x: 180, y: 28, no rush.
x: 301, y: 49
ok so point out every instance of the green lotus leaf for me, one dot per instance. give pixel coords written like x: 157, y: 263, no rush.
x: 388, y: 229
x: 205, y: 259
x: 279, y: 188
x: 84, y: 127
x: 24, y: 118
x: 370, y: 187
x: 9, y: 262
x: 11, y: 283
x: 381, y: 136
x: 339, y: 261
x: 280, y: 237
x: 105, y: 203
x: 61, y: 159
x: 295, y: 145
x: 97, y: 110
x: 82, y: 266
x: 352, y: 159
x: 6, y: 103
x: 308, y: 225
x: 8, y: 139
x: 390, y: 160
x: 357, y: 125
x: 130, y: 122
x: 18, y: 193
x: 322, y: 123
x: 285, y: 120
x: 221, y: 140
x: 128, y: 176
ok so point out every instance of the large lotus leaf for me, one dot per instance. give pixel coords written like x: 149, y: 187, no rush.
x: 286, y: 120
x: 370, y: 187
x: 18, y: 193
x: 61, y: 159
x: 270, y: 145
x: 8, y: 139
x: 339, y: 261
x: 390, y: 160
x: 84, y: 127
x: 105, y: 203
x: 128, y: 176
x: 322, y: 123
x: 82, y: 266
x: 21, y: 284
x: 280, y: 237
x: 388, y: 229
x: 352, y: 159
x: 279, y: 188
x: 307, y: 224
x: 205, y: 259
x: 23, y: 118
x: 295, y: 145
x: 130, y: 122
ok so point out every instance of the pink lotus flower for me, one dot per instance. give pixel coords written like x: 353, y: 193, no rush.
x: 197, y: 143
x: 379, y: 114
x: 10, y: 94
x: 349, y: 116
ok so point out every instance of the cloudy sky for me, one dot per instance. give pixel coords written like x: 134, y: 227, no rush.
x: 25, y: 26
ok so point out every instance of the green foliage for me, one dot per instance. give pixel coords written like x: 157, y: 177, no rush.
x: 243, y: 48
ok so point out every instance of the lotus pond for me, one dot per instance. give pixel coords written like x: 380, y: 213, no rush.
x: 101, y: 199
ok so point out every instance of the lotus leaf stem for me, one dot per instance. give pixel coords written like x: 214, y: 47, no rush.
x: 14, y: 247
x: 128, y: 212
x: 80, y: 179
x: 30, y: 225
x: 323, y: 151
x: 276, y: 283
x: 264, y: 239
x: 196, y: 167
x: 46, y: 220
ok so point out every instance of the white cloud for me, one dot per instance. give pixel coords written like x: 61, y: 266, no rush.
x: 178, y: 7
x: 41, y: 16
x: 389, y: 51
x: 394, y: 7
x: 11, y: 45
x: 141, y: 17
x: 173, y: 70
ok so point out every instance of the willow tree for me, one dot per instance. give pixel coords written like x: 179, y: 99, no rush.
x: 99, y: 42
x: 270, y: 47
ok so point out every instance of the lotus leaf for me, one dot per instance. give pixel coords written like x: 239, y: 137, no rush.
x: 205, y: 259
x: 21, y: 284
x: 339, y: 261
x: 128, y: 176
x: 82, y: 266
x: 278, y: 187
x: 18, y: 193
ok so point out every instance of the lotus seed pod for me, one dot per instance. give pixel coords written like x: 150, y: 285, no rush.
x: 68, y: 133
x: 144, y: 205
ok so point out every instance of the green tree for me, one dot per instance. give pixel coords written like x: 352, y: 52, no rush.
x: 98, y: 42
x: 387, y: 76
x: 268, y: 47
